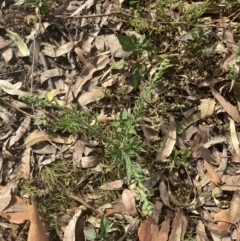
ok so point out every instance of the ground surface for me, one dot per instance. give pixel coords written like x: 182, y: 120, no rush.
x: 120, y: 119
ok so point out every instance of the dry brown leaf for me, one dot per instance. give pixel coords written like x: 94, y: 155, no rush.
x: 228, y: 37
x: 25, y: 163
x: 236, y: 91
x: 164, y: 193
x: 207, y: 83
x: 149, y: 132
x: 111, y: 42
x: 44, y: 148
x: 148, y: 231
x: 17, y: 211
x: 4, y: 43
x: 235, y: 159
x: 230, y: 188
x: 200, y: 232
x: 79, y: 52
x: 79, y: 147
x: 186, y: 122
x: 36, y: 231
x: 38, y: 136
x: 169, y: 141
x: 212, y: 173
x: 229, y: 108
x: 223, y: 219
x: 51, y: 73
x: 75, y: 226
x: 179, y: 226
x: 34, y: 50
x: 89, y: 161
x: 90, y: 96
x: 87, y: 4
x: 115, y: 185
x: 6, y: 195
x: 207, y: 107
x: 165, y: 228
x: 234, y: 212
x: 20, y: 131
x: 12, y: 89
x: 234, y: 138
x: 128, y: 201
x: 97, y: 64
x: 51, y: 51
x: 7, y: 54
x: 64, y: 49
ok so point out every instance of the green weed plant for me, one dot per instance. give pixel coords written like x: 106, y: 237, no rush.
x: 123, y: 145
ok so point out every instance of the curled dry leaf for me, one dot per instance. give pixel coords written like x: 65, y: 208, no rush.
x: 217, y: 195
x: 25, y: 163
x: 11, y: 89
x: 36, y: 231
x: 38, y: 136
x: 69, y: 233
x: 20, y: 131
x: 169, y: 141
x: 212, y: 173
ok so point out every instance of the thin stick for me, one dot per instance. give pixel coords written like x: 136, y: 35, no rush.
x: 84, y: 203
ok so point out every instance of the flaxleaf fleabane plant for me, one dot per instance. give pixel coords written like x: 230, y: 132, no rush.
x: 122, y: 145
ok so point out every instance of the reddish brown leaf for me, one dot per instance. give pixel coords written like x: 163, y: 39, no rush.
x: 223, y: 220
x: 212, y: 173
x: 36, y: 230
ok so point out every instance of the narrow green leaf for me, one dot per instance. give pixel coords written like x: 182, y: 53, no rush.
x: 19, y: 42
x: 104, y: 227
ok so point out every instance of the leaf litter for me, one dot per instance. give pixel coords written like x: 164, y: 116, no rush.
x: 190, y: 132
